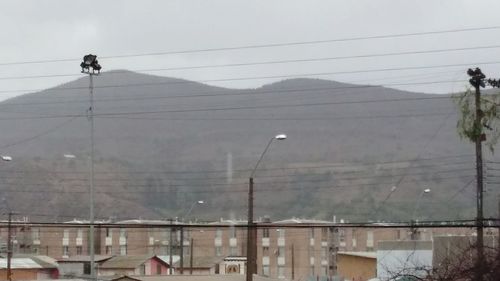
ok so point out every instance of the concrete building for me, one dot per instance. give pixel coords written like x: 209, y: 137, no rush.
x: 293, y: 249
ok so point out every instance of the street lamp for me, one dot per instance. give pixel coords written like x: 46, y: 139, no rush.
x: 251, y: 230
x: 413, y: 218
x: 89, y: 66
x: 199, y: 202
x: 6, y: 158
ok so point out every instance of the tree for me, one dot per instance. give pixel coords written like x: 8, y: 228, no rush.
x: 489, y: 130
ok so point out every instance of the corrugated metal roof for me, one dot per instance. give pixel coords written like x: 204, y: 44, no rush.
x: 371, y: 255
x: 201, y: 262
x: 166, y: 259
x: 17, y: 263
x: 126, y: 261
x: 81, y: 258
x: 218, y: 277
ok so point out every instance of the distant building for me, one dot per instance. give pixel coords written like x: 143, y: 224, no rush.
x: 298, y: 248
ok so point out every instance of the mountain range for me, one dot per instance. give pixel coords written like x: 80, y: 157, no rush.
x: 357, y: 152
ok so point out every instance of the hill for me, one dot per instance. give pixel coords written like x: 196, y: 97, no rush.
x: 164, y: 143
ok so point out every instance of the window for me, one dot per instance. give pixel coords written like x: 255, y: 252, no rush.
x: 78, y: 250
x: 324, y: 252
x: 123, y: 250
x: 35, y: 233
x: 123, y: 232
x: 324, y: 234
x: 218, y: 233
x: 66, y: 233
x: 281, y: 232
x: 65, y: 252
x: 109, y: 250
x: 341, y: 235
x: 218, y: 251
x: 324, y: 270
x: 232, y: 232
x: 233, y: 251
x: 281, y: 271
x: 311, y: 233
x: 79, y: 234
x: 36, y: 250
x: 265, y: 232
x: 281, y: 252
x: 109, y: 232
x: 311, y: 270
x: 265, y: 251
x: 86, y: 268
x: 369, y: 240
x: 265, y: 270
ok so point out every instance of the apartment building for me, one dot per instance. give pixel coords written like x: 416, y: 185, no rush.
x: 291, y: 249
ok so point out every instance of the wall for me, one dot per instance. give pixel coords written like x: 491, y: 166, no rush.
x: 403, y: 257
x: 356, y: 268
x: 71, y: 268
x: 20, y: 274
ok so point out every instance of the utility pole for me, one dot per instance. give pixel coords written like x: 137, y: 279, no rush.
x: 476, y: 81
x: 293, y: 262
x: 251, y: 243
x: 181, y: 251
x: 9, y: 247
x: 191, y: 257
x: 170, y: 248
x: 498, y: 224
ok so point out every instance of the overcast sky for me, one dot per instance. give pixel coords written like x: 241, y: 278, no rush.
x: 50, y: 30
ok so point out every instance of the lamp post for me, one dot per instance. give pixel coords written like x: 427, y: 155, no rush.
x: 251, y: 230
x: 9, y: 229
x: 181, y: 249
x: 89, y: 66
x: 413, y: 216
x: 199, y: 202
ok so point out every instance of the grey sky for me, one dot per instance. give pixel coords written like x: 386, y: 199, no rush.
x: 44, y: 30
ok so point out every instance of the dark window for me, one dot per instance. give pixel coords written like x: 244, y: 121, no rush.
x: 86, y: 268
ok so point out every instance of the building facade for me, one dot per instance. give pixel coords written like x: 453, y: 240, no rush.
x: 291, y: 249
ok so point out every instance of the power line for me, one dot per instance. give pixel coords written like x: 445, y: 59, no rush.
x: 257, y: 46
x: 28, y: 174
x: 260, y: 170
x: 180, y: 81
x: 274, y: 62
x: 221, y: 109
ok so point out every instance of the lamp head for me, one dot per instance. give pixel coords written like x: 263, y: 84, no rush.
x: 280, y: 137
x: 201, y: 202
x: 6, y: 158
x: 427, y: 190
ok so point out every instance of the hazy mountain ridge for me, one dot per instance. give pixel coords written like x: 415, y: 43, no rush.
x: 151, y: 164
